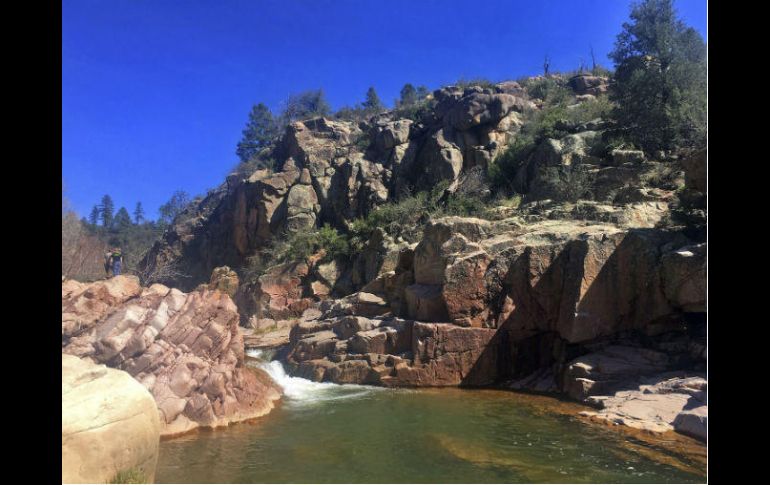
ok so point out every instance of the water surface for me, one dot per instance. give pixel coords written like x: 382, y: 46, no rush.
x: 327, y: 433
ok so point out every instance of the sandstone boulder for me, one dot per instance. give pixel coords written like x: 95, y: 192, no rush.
x: 110, y: 424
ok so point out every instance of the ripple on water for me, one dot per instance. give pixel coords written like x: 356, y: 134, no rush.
x: 326, y: 432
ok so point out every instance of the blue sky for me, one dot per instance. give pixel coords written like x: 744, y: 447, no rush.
x: 155, y: 93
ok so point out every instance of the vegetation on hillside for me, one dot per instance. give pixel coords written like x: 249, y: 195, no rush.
x: 660, y: 79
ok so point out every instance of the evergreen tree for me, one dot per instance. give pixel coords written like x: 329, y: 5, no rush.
x: 372, y: 104
x: 174, y: 206
x: 121, y: 221
x: 408, y: 95
x: 660, y: 78
x: 260, y: 130
x: 422, y: 92
x: 307, y: 104
x: 106, y: 211
x: 93, y: 218
x: 139, y: 213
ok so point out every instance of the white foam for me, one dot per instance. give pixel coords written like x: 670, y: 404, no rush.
x: 298, y: 389
x: 256, y: 353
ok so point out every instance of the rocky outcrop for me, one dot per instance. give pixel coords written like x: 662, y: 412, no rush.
x: 661, y: 403
x: 110, y: 424
x: 225, y: 280
x: 333, y: 172
x: 589, y: 84
x: 478, y: 302
x: 185, y: 348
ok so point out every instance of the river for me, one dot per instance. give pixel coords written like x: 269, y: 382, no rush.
x: 329, y: 433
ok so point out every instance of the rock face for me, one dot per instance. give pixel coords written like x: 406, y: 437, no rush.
x: 478, y: 302
x: 332, y: 172
x: 590, y: 258
x: 104, y: 433
x: 185, y: 348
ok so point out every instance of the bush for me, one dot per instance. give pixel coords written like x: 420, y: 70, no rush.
x: 479, y: 81
x: 551, y: 90
x: 463, y: 205
x: 601, y: 107
x: 567, y: 184
x: 245, y: 169
x: 503, y: 169
x: 419, y: 111
x: 303, y: 244
x: 129, y: 476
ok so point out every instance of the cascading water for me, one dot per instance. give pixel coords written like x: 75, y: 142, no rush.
x: 299, y: 391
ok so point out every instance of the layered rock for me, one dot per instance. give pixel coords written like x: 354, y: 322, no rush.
x: 478, y: 302
x: 105, y: 433
x: 185, y: 348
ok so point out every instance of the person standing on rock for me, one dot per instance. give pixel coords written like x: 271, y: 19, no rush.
x: 116, y: 261
x: 107, y: 262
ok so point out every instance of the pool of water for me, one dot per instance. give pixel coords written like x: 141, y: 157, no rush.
x: 328, y: 433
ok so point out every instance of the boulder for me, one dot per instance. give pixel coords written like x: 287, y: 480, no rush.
x: 589, y: 84
x: 110, y: 424
x: 224, y: 279
x: 186, y: 349
x: 479, y: 109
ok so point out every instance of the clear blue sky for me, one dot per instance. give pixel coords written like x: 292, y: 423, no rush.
x: 155, y: 93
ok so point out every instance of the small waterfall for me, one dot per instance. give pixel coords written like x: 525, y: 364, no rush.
x: 298, y: 390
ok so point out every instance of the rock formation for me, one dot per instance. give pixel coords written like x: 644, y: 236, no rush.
x: 185, y: 348
x: 105, y: 433
x: 591, y: 258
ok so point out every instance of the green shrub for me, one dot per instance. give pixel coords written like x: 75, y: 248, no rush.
x: 601, y: 107
x: 302, y: 244
x: 132, y: 475
x: 551, y: 90
x: 479, y: 81
x: 464, y: 205
x: 416, y: 112
x: 502, y: 170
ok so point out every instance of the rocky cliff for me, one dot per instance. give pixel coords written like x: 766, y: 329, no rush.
x: 605, y: 251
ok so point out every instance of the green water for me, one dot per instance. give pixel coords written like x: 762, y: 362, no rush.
x: 324, y: 433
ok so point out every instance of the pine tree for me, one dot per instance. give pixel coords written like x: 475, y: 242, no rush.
x: 408, y: 95
x: 106, y: 211
x: 122, y: 220
x: 259, y: 132
x: 660, y: 78
x: 422, y: 92
x: 307, y: 104
x: 174, y: 206
x: 93, y: 218
x: 139, y: 213
x: 372, y: 104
